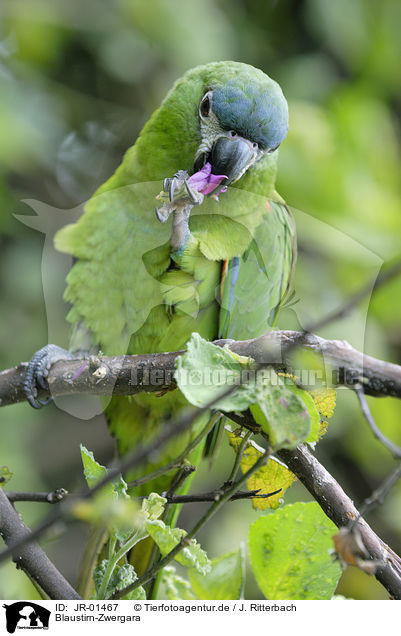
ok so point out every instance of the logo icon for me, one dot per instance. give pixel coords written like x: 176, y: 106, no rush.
x: 26, y: 615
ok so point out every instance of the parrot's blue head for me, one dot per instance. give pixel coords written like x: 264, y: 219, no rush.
x: 261, y: 118
x: 241, y: 120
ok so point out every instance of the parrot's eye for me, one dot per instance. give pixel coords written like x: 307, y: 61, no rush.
x: 204, y: 107
x: 255, y: 145
x: 232, y: 133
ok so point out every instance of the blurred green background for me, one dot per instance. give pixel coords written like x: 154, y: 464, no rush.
x: 79, y: 79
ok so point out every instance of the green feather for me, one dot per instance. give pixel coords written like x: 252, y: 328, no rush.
x: 252, y: 294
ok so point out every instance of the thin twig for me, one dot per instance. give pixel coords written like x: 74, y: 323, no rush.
x: 366, y: 289
x: 211, y: 496
x: 178, y: 480
x: 218, y: 503
x: 53, y: 497
x: 393, y: 448
x: 170, y: 517
x: 238, y: 456
x: 177, y: 462
x: 379, y: 494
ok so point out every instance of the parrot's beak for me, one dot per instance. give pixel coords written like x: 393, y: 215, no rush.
x: 231, y: 156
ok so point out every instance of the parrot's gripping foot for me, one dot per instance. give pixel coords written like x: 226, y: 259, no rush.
x: 177, y: 193
x: 179, y: 185
x: 38, y: 370
x: 178, y: 198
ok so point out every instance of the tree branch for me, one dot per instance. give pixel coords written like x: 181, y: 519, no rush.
x: 336, y: 505
x: 131, y: 374
x: 30, y: 557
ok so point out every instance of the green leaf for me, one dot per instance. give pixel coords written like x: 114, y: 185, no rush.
x: 121, y: 516
x: 268, y: 478
x: 153, y: 506
x: 174, y: 587
x: 121, y: 488
x: 206, y: 371
x: 99, y: 573
x: 167, y: 538
x: 309, y: 402
x: 319, y: 402
x: 313, y: 372
x: 112, y: 505
x: 93, y: 471
x: 225, y: 581
x: 281, y: 413
x: 5, y: 475
x: 290, y: 553
x: 121, y: 577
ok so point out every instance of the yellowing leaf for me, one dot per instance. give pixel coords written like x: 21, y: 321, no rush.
x: 268, y: 478
x: 325, y: 401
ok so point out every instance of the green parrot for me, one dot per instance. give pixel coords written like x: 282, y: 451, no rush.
x: 215, y: 259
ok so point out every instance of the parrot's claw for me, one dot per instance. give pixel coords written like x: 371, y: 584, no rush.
x: 171, y: 189
x: 38, y: 370
x: 160, y: 214
x: 191, y: 193
x: 179, y: 191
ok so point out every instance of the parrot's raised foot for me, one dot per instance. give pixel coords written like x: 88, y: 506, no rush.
x: 37, y: 372
x: 177, y: 193
x: 179, y: 188
x: 178, y: 197
x: 180, y: 194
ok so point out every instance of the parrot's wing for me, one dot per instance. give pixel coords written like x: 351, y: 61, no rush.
x: 121, y: 250
x: 254, y: 286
